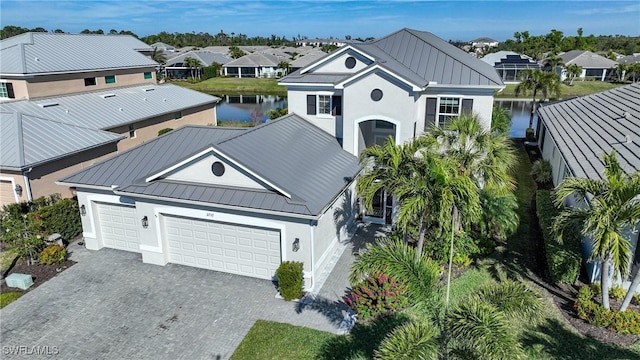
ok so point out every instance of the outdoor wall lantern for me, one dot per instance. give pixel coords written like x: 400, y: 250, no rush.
x: 83, y: 210
x: 18, y: 189
x: 296, y: 244
x: 145, y: 222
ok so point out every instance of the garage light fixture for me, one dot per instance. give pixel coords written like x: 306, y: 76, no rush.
x: 18, y: 189
x: 83, y: 210
x: 296, y: 244
x: 145, y: 222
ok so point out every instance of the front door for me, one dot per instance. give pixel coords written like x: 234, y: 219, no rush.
x: 381, y: 209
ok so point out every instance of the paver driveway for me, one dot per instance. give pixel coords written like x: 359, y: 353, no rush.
x: 110, y: 305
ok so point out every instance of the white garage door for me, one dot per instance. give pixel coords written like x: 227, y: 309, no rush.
x: 232, y: 248
x: 7, y: 195
x: 119, y: 227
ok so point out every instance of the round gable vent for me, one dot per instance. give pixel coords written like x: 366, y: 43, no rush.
x: 350, y: 62
x: 376, y: 94
x: 217, y: 168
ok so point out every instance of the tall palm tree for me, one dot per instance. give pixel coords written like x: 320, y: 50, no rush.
x: 553, y: 61
x: 194, y: 65
x: 573, y: 71
x: 538, y: 82
x: 500, y: 120
x: 605, y: 208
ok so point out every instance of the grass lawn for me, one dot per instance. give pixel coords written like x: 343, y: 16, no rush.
x: 550, y: 338
x: 9, y: 297
x: 228, y: 86
x: 6, y: 258
x: 579, y: 88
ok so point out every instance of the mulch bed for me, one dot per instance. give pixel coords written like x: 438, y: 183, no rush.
x: 40, y: 273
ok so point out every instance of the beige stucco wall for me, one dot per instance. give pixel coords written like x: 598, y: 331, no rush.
x: 19, y: 89
x: 60, y: 84
x: 148, y: 129
x: 7, y: 196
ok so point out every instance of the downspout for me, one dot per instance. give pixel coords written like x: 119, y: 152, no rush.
x: 313, y: 265
x: 27, y: 184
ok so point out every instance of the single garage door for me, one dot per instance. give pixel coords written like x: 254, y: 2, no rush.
x: 232, y: 248
x: 119, y: 227
x: 7, y: 195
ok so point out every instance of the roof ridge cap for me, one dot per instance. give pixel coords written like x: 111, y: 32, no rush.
x: 21, y: 156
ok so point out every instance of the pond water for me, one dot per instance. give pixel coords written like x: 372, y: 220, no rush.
x: 253, y: 108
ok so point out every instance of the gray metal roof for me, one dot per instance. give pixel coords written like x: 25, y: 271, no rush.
x: 27, y: 141
x: 46, y: 53
x: 585, y: 128
x: 314, y: 78
x: 253, y: 60
x: 307, y: 58
x: 587, y: 59
x: 289, y: 152
x: 629, y: 59
x: 205, y: 57
x: 420, y: 58
x: 106, y: 109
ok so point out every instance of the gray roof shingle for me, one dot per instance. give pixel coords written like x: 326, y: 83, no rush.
x: 587, y: 127
x: 289, y: 152
x: 206, y: 57
x: 49, y: 53
x: 254, y: 59
x: 587, y: 59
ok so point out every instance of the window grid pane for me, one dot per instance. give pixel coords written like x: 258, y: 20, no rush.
x: 147, y: 75
x: 3, y: 90
x: 324, y: 104
x: 448, y: 109
x: 111, y: 79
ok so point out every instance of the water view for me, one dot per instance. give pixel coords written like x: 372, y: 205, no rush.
x: 253, y: 108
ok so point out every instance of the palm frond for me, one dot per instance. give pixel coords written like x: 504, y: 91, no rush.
x: 418, y: 340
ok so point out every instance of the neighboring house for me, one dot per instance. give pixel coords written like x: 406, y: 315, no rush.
x: 509, y: 64
x: 397, y: 86
x: 176, y: 68
x: 233, y: 200
x: 306, y: 59
x: 593, y: 66
x: 483, y: 42
x: 320, y: 42
x: 629, y: 59
x: 83, y: 85
x: 253, y: 65
x: 160, y: 46
x: 576, y: 133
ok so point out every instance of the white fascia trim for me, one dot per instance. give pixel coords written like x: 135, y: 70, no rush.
x: 84, y: 186
x: 341, y: 84
x: 325, y: 93
x: 214, y: 150
x: 215, y: 205
x: 13, y: 186
x: 306, y: 84
x: 92, y: 198
x: 438, y: 86
x: 333, y: 55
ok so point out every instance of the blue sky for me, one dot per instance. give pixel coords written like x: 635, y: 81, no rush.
x: 451, y: 20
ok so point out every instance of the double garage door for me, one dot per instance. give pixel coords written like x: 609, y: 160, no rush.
x: 232, y: 248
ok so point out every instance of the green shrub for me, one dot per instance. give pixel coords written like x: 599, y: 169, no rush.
x: 290, y: 280
x: 636, y: 298
x: 626, y: 322
x: 23, y: 235
x: 513, y: 298
x: 53, y: 254
x: 378, y: 295
x: 530, y: 134
x: 617, y: 292
x: 164, y: 131
x: 596, y: 289
x: 465, y: 247
x: 564, y: 259
x: 62, y: 217
x: 541, y: 171
x: 9, y: 297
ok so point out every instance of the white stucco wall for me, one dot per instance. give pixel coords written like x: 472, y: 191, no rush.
x: 336, y: 65
x: 482, y: 101
x: 297, y: 103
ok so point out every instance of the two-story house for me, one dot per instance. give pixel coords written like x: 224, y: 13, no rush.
x: 399, y: 85
x: 69, y: 100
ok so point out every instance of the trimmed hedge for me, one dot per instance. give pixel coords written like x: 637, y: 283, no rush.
x: 625, y: 322
x: 290, y: 280
x: 564, y: 259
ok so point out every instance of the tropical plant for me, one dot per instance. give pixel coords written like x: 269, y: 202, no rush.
x: 52, y: 254
x: 553, y: 61
x: 378, y: 295
x: 277, y: 112
x: 515, y: 299
x: 621, y: 71
x: 284, y: 65
x: 573, y: 71
x: 604, y: 208
x: 500, y: 120
x: 538, y: 82
x: 194, y: 66
x: 418, y: 340
x: 23, y: 234
x: 235, y: 52
x: 541, y: 171
x: 498, y: 218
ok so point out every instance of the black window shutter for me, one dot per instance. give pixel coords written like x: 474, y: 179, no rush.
x: 467, y: 106
x: 430, y: 114
x: 311, y: 104
x: 336, y: 105
x: 10, y: 93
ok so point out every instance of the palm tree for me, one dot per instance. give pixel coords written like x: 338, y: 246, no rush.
x: 500, y: 120
x: 573, y: 71
x: 159, y: 57
x: 284, y: 65
x: 194, y: 65
x: 536, y: 81
x: 553, y: 61
x: 605, y: 208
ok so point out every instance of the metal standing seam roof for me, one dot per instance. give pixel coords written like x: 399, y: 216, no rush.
x: 586, y: 59
x: 421, y: 57
x: 49, y: 53
x: 109, y: 108
x: 205, y: 57
x: 27, y: 141
x: 289, y: 152
x: 308, y: 58
x: 587, y: 127
x: 253, y: 60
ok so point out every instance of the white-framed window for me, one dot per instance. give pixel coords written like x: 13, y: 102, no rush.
x: 448, y: 108
x: 132, y: 131
x: 324, y: 105
x: 6, y: 90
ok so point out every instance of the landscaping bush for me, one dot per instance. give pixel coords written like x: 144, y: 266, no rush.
x: 9, y: 297
x: 636, y: 298
x: 564, y: 259
x: 164, y: 131
x: 626, y: 322
x: 378, y: 295
x: 465, y: 247
x: 617, y: 292
x: 541, y: 171
x: 530, y: 134
x: 290, y: 280
x: 62, y: 217
x: 53, y: 254
x: 23, y: 235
